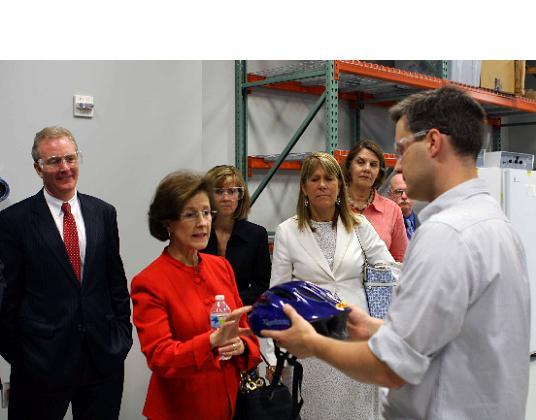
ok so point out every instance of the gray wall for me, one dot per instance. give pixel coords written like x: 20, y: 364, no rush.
x: 150, y: 118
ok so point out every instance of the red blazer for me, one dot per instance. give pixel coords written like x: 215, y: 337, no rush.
x: 171, y: 312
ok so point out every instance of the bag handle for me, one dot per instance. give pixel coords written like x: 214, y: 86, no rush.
x: 365, y: 260
x: 365, y: 266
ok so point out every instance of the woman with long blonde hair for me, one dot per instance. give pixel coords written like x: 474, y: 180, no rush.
x: 320, y: 245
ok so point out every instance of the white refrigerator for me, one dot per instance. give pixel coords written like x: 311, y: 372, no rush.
x: 515, y: 190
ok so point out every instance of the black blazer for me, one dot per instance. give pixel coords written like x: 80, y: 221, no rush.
x: 47, y: 314
x: 247, y: 251
x: 2, y: 283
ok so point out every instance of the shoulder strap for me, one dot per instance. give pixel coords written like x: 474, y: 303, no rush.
x: 362, y: 248
x: 365, y: 268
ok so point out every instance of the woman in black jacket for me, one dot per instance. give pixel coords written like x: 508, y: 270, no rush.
x: 243, y: 243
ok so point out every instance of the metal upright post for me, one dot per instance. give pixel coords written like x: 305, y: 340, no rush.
x: 332, y: 107
x: 241, y: 132
x: 355, y: 116
x: 445, y: 69
x: 496, y: 138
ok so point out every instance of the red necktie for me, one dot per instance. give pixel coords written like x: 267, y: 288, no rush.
x: 70, y: 237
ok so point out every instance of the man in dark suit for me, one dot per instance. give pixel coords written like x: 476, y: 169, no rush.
x: 397, y: 193
x: 65, y: 320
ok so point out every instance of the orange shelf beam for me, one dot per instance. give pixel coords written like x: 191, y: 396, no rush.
x: 298, y: 87
x: 389, y: 74
x: 255, y: 162
x: 340, y: 155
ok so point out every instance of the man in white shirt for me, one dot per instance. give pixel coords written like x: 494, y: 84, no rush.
x: 455, y: 344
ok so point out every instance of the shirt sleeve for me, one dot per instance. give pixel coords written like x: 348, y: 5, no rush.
x: 429, y: 306
x: 13, y: 261
x: 262, y: 265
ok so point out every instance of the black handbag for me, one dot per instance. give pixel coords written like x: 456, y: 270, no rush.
x: 259, y: 401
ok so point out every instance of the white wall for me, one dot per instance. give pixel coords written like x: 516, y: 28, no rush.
x: 151, y: 118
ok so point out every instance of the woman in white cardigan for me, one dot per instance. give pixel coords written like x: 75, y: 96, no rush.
x: 319, y: 244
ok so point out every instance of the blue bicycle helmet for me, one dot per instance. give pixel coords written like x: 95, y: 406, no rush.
x: 323, y: 309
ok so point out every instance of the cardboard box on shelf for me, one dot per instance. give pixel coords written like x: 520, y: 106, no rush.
x: 520, y: 74
x: 498, y: 75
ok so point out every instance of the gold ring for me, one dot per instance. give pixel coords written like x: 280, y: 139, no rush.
x: 234, y: 346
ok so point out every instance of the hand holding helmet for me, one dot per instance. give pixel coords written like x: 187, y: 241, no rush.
x: 323, y: 309
x: 299, y: 339
x: 361, y: 326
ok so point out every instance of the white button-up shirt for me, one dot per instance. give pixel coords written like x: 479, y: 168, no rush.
x: 459, y: 324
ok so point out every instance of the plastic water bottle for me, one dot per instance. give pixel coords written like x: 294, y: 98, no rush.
x: 218, y: 313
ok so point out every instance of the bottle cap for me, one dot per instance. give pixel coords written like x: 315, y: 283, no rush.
x: 220, y: 297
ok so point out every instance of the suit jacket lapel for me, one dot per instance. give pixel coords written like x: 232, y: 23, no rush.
x: 90, y: 222
x: 311, y: 247
x: 46, y: 227
x: 344, y: 239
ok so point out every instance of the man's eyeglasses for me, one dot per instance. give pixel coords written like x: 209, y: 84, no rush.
x: 402, y: 144
x: 236, y: 193
x: 398, y: 192
x: 192, y: 215
x: 54, y: 162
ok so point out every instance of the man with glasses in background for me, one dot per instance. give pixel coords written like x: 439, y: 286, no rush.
x: 65, y: 322
x: 397, y: 193
x: 455, y: 343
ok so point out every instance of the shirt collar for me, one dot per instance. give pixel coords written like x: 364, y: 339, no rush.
x: 55, y: 203
x: 378, y: 203
x: 453, y: 196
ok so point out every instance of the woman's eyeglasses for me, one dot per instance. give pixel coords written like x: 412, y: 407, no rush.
x: 193, y: 215
x: 235, y: 193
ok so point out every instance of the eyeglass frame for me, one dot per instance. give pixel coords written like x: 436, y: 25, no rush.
x: 411, y: 138
x: 399, y: 192
x: 193, y: 215
x: 43, y: 162
x: 221, y: 191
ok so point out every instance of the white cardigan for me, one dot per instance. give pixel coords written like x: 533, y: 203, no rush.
x: 297, y: 256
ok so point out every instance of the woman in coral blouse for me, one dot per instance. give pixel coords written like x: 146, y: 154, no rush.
x: 364, y: 172
x: 172, y: 298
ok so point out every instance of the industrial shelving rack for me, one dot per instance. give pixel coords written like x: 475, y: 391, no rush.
x: 359, y: 82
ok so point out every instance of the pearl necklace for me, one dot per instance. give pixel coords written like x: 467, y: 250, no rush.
x: 370, y: 199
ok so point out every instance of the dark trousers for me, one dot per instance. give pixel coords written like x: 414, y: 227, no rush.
x: 92, y: 395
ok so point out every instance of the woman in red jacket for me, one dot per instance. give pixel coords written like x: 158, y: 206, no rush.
x: 172, y: 298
